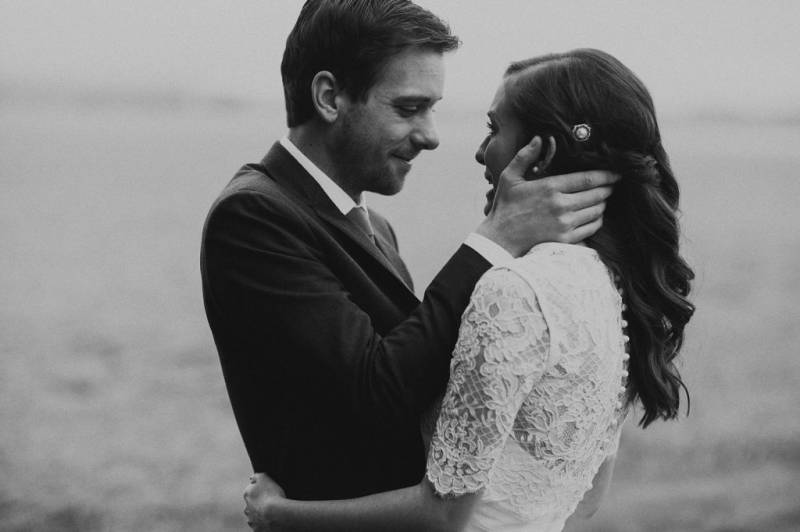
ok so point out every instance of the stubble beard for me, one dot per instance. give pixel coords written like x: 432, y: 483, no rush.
x: 356, y: 167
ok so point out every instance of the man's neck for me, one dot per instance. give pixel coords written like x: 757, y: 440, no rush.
x: 310, y: 141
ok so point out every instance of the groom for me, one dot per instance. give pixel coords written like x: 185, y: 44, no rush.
x: 328, y: 356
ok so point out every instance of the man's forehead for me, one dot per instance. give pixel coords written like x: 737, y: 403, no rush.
x: 413, y: 73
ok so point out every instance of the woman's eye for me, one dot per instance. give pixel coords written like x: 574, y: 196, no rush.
x: 491, y: 127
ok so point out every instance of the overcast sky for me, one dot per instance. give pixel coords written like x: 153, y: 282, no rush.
x: 737, y: 55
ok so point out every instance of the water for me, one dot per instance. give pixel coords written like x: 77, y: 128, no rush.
x: 113, y: 408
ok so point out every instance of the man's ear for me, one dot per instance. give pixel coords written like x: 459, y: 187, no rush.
x: 325, y: 96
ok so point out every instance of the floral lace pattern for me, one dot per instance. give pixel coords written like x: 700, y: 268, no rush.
x: 535, y: 401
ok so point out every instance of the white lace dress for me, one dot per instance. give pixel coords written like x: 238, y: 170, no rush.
x: 535, y: 402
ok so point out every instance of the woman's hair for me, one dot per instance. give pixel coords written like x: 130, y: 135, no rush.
x: 353, y: 39
x: 639, y: 237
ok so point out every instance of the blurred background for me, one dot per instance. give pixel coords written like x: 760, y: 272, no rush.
x: 119, y: 124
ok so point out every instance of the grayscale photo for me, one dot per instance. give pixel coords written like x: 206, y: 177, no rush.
x: 399, y: 265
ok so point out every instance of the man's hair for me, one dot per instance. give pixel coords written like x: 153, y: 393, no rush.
x: 353, y: 39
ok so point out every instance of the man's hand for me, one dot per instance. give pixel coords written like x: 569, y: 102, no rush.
x: 564, y: 208
x: 257, y: 496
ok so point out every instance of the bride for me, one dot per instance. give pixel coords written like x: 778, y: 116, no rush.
x: 556, y: 346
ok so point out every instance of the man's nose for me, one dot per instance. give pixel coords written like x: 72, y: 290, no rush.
x: 425, y: 136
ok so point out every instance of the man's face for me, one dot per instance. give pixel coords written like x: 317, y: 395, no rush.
x: 506, y: 136
x: 374, y: 141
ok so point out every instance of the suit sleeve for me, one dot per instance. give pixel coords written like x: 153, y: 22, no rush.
x: 263, y: 270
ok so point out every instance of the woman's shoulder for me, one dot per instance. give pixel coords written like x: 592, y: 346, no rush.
x: 503, y: 281
x: 570, y: 282
x: 559, y: 279
x: 557, y: 252
x: 569, y: 266
x: 547, y: 264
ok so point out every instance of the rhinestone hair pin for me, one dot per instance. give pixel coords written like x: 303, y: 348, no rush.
x: 581, y: 132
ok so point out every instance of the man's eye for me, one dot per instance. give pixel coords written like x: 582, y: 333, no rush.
x: 491, y: 127
x: 408, y: 110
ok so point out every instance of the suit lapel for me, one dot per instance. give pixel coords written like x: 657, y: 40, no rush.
x: 294, y: 179
x: 389, y: 251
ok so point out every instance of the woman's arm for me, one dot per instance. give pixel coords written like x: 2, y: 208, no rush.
x: 409, y: 509
x: 501, y: 352
x: 592, y: 498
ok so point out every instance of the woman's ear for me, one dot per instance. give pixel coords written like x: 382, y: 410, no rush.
x: 543, y: 156
x: 324, y: 92
x: 548, y: 154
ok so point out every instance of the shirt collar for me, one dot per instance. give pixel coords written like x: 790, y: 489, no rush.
x: 338, y: 196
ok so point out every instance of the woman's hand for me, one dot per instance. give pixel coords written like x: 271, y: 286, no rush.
x: 258, y: 495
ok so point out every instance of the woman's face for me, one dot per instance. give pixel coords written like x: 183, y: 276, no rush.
x: 505, y: 138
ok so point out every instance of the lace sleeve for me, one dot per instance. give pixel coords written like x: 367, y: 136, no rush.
x: 501, y: 352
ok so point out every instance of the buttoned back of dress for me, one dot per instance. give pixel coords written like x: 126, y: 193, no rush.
x: 535, y: 401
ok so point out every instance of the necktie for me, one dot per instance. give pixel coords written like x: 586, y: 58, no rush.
x: 359, y: 216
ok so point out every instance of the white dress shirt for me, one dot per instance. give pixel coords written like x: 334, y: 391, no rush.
x: 489, y: 250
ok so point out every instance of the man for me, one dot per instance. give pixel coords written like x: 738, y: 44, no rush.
x: 329, y: 358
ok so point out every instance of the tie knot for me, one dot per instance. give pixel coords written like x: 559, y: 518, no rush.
x: 360, y: 217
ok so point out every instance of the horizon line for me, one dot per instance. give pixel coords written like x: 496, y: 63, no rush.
x: 181, y: 100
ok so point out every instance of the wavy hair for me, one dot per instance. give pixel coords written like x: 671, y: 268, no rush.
x: 640, y: 234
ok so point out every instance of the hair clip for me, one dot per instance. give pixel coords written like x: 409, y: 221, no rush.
x: 581, y: 132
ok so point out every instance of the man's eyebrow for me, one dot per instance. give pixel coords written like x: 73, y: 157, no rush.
x: 414, y: 99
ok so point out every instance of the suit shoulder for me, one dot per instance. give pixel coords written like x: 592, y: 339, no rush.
x: 252, y: 188
x: 251, y: 179
x: 254, y: 207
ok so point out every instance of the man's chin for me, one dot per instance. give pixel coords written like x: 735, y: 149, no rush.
x: 396, y: 188
x: 389, y: 187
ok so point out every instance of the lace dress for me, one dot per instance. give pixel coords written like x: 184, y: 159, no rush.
x: 535, y: 401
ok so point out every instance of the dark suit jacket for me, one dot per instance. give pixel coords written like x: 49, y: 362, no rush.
x: 328, y: 356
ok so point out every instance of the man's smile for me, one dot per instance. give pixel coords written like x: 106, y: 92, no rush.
x: 404, y: 157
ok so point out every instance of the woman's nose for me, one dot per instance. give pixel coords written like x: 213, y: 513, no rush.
x: 481, y: 151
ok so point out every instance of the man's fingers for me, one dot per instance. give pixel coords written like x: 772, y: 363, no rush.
x: 577, y: 201
x: 585, y: 231
x: 524, y: 158
x: 582, y: 181
x: 588, y: 215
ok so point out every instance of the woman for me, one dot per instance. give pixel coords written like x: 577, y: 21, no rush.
x: 541, y: 378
